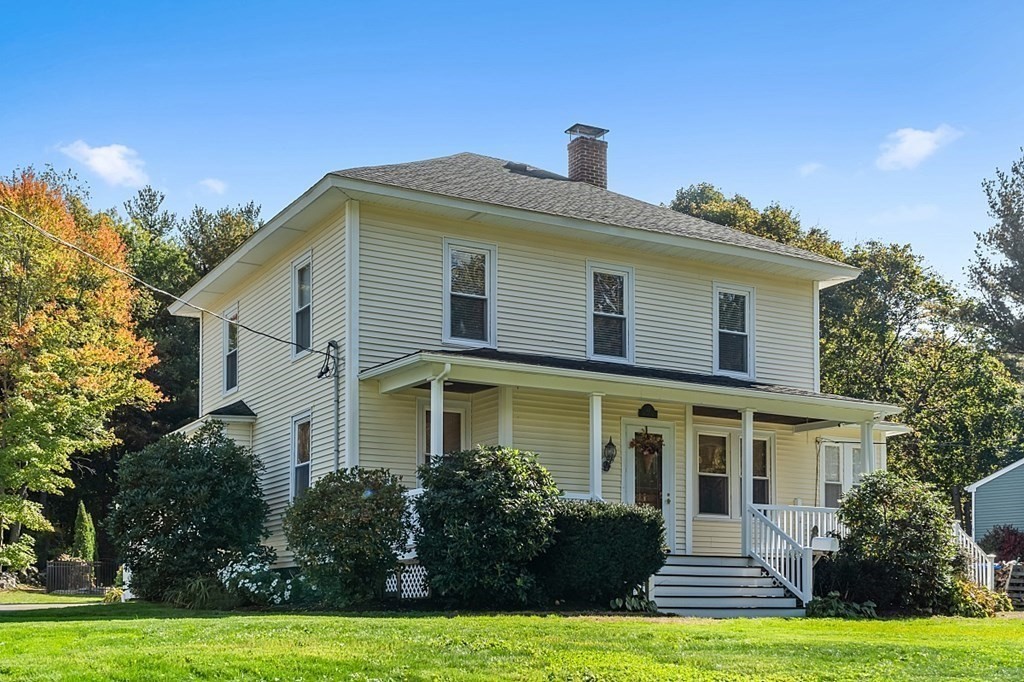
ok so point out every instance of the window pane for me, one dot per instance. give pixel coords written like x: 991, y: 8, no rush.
x: 610, y: 336
x: 713, y: 492
x: 609, y: 296
x: 732, y: 352
x: 833, y: 491
x: 832, y: 464
x: 304, y: 286
x: 301, y: 479
x: 452, y: 441
x: 302, y: 443
x: 732, y: 311
x: 304, y: 328
x: 761, y: 491
x: 858, y: 465
x: 232, y: 335
x: 469, y: 318
x: 231, y: 370
x: 648, y: 471
x: 761, y: 458
x: 711, y: 457
x: 469, y: 273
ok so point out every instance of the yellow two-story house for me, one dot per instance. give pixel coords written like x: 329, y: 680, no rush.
x: 430, y: 306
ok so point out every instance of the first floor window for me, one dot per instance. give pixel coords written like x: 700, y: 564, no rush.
x: 713, y: 474
x: 762, y: 479
x: 231, y: 351
x: 300, y: 455
x: 455, y: 428
x: 842, y: 467
x: 469, y: 293
x: 833, y: 474
x: 610, y: 312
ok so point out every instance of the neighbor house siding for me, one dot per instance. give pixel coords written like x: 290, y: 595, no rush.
x: 1000, y: 502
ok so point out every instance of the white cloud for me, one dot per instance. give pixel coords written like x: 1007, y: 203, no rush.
x: 115, y: 163
x: 214, y: 185
x: 809, y: 168
x: 901, y: 215
x: 907, y: 147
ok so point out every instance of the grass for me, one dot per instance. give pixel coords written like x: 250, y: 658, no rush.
x: 28, y: 595
x: 140, y: 641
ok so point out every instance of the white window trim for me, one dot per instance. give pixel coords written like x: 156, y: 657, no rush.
x: 846, y: 457
x: 297, y: 419
x: 628, y: 276
x: 490, y: 282
x: 463, y: 407
x: 301, y: 261
x: 734, y: 462
x: 231, y: 312
x: 751, y: 294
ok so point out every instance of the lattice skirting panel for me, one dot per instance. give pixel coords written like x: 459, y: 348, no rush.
x: 408, y: 582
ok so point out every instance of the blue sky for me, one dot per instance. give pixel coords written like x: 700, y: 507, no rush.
x: 874, y: 120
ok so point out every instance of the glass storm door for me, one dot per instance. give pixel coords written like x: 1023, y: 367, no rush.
x: 649, y: 469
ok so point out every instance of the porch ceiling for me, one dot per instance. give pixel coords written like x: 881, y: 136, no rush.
x: 485, y: 366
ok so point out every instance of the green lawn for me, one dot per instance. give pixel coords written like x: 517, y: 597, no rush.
x: 35, y: 596
x: 138, y: 641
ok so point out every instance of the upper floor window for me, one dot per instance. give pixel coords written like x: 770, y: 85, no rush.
x: 302, y: 304
x: 734, y: 334
x: 301, y: 446
x: 469, y: 301
x: 610, y: 303
x: 231, y: 350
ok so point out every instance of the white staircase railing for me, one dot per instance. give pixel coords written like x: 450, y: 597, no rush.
x: 981, y: 566
x: 785, y: 559
x: 803, y: 524
x: 408, y: 553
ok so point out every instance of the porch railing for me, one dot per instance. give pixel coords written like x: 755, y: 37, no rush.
x: 803, y: 524
x: 981, y: 566
x: 785, y: 559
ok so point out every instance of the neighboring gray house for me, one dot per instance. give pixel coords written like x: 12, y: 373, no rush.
x: 998, y: 500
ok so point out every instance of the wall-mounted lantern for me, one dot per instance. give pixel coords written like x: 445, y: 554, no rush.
x: 609, y: 454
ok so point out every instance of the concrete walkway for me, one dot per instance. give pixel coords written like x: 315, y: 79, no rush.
x: 6, y: 608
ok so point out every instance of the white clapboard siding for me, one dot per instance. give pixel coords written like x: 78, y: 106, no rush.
x: 484, y: 418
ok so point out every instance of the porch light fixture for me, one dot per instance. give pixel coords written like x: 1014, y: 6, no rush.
x: 609, y: 455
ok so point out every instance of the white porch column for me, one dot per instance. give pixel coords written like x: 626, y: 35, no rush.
x: 437, y: 416
x: 867, y: 446
x: 596, y: 446
x: 746, y: 472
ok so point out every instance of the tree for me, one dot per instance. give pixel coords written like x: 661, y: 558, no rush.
x: 69, y: 354
x: 998, y: 268
x: 209, y: 238
x: 84, y: 545
x: 185, y: 508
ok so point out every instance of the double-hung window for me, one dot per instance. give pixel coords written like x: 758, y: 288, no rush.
x: 734, y: 333
x: 301, y: 443
x: 713, y: 455
x: 231, y: 350
x: 761, y: 473
x: 469, y: 300
x: 302, y: 305
x: 842, y: 466
x: 610, y: 302
x: 832, y: 472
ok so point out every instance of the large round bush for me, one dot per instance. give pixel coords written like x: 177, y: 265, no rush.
x: 345, y: 533
x: 484, y: 516
x: 185, y: 507
x: 601, y: 552
x: 898, y: 551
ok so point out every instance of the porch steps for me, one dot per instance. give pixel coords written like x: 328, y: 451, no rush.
x: 720, y: 587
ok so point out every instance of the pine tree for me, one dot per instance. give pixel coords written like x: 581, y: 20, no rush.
x: 84, y: 544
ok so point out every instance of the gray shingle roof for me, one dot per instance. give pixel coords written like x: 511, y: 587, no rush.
x: 516, y: 185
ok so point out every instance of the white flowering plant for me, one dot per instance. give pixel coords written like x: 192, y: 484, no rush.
x: 254, y: 582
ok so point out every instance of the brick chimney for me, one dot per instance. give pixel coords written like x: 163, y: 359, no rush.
x: 588, y: 155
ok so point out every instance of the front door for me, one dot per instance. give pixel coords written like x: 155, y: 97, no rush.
x: 650, y: 469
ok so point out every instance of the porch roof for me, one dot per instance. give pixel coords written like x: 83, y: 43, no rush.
x: 492, y: 367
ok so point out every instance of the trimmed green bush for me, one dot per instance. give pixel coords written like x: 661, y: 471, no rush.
x: 485, y: 515
x: 345, y: 532
x: 83, y: 546
x: 184, y: 508
x: 601, y: 552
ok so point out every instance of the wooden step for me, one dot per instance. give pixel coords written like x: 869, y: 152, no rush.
x: 708, y: 580
x: 716, y: 591
x: 693, y: 560
x: 735, y: 613
x: 726, y: 602
x: 720, y: 571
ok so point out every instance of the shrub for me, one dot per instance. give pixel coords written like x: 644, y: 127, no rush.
x: 184, y: 508
x: 253, y: 582
x: 970, y: 600
x: 601, y: 551
x: 833, y: 606
x: 201, y: 592
x: 898, y: 552
x: 485, y: 515
x: 84, y: 544
x: 1006, y: 542
x: 345, y: 533
x: 115, y: 595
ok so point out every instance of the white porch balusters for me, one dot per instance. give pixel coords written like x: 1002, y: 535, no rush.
x: 867, y: 446
x: 437, y: 416
x: 746, y: 474
x: 596, y: 446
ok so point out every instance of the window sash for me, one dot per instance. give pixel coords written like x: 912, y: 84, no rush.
x: 231, y: 352
x: 461, y: 323
x: 611, y: 312
x: 302, y: 307
x: 734, y: 352
x: 302, y: 456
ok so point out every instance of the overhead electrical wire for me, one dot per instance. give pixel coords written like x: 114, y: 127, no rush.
x: 328, y: 357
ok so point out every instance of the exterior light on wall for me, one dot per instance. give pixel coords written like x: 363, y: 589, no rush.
x: 609, y: 454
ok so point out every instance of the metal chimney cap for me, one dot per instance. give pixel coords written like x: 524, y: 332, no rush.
x: 583, y: 130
